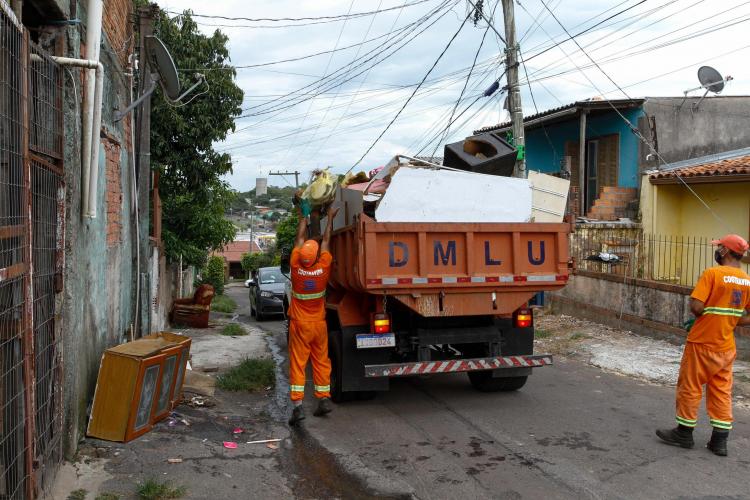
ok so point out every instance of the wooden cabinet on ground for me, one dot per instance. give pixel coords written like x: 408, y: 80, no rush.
x: 139, y: 383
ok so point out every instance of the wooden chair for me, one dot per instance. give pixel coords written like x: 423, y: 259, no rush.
x: 193, y: 311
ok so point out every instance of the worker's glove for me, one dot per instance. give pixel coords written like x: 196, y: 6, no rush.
x: 689, y: 324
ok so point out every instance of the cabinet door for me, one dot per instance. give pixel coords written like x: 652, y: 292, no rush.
x: 162, y: 404
x: 146, y: 391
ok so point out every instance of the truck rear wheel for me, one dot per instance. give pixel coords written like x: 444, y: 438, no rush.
x: 335, y: 354
x: 484, y: 382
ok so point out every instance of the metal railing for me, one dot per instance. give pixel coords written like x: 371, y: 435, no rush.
x: 678, y: 260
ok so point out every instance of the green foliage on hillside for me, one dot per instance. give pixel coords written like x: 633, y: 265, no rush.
x: 278, y: 198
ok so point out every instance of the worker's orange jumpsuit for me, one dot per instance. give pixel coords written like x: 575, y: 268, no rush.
x: 710, y: 350
x: 308, y: 333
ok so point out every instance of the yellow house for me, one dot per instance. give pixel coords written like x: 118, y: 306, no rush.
x: 686, y: 204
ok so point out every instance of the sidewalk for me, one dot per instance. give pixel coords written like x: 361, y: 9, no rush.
x: 187, y: 450
x: 621, y: 351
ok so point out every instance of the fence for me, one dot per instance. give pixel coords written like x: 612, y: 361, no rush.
x: 678, y: 260
x: 31, y: 245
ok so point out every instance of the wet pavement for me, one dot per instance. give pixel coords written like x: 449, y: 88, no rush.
x: 574, y: 431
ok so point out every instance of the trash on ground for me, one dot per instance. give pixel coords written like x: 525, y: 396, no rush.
x: 174, y: 460
x: 272, y: 446
x: 230, y: 445
x: 237, y: 430
x: 199, y: 402
x: 261, y: 441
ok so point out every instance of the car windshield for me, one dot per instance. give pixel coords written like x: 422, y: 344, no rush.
x: 271, y: 276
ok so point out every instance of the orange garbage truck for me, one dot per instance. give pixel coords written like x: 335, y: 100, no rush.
x: 413, y: 299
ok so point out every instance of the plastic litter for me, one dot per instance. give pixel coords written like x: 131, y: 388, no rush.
x: 321, y: 189
x: 272, y: 446
x: 261, y: 441
x: 174, y: 460
x: 230, y: 445
x: 237, y: 430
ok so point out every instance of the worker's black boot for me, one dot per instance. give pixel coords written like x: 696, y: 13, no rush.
x: 718, y: 442
x: 298, y: 414
x: 324, y: 407
x: 679, y: 436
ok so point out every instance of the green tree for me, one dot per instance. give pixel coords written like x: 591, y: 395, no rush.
x: 213, y: 274
x: 251, y: 262
x: 286, y: 231
x: 194, y: 198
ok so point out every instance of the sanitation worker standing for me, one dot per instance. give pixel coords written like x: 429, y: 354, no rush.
x: 308, y: 334
x: 720, y: 302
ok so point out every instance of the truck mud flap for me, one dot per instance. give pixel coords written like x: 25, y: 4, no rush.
x: 456, y: 365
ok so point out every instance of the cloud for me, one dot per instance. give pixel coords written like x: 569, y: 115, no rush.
x: 336, y: 127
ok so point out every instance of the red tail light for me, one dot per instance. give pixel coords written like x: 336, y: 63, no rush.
x: 523, y: 318
x: 380, y: 323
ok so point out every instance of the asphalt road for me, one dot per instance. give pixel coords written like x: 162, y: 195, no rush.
x: 574, y: 431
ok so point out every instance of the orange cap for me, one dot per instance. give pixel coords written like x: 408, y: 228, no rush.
x: 308, y: 253
x: 733, y: 242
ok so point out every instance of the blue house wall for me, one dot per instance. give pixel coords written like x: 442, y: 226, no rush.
x: 545, y: 146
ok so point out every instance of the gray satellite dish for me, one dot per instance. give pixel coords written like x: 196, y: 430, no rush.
x: 161, y: 61
x: 710, y: 79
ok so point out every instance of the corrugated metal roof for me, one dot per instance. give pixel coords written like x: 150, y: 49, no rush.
x: 587, y: 104
x: 738, y: 164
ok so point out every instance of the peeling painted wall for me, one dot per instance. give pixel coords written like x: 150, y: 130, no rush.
x: 99, y: 295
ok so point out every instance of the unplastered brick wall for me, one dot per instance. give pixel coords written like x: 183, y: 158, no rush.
x: 113, y: 195
x: 118, y: 26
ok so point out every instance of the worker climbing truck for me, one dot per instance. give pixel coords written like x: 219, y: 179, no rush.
x: 415, y: 299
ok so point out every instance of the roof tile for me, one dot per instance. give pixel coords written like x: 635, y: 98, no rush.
x: 732, y: 166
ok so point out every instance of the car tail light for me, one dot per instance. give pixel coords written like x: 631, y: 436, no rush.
x: 523, y: 318
x: 381, y: 323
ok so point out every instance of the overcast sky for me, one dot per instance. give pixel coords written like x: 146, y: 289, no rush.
x: 652, y: 49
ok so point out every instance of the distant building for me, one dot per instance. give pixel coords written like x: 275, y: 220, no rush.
x: 232, y: 254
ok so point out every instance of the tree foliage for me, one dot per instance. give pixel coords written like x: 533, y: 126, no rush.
x: 251, y: 262
x: 213, y: 274
x: 194, y: 196
x: 286, y: 232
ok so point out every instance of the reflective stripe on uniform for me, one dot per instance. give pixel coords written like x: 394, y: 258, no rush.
x: 686, y: 421
x: 720, y: 424
x: 323, y: 388
x: 724, y: 311
x: 308, y: 296
x: 297, y: 388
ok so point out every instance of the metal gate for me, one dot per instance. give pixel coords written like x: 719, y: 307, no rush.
x: 31, y: 251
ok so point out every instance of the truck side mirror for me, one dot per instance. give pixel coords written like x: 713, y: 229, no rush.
x: 286, y: 255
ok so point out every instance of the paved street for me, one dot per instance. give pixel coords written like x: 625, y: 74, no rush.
x: 574, y: 431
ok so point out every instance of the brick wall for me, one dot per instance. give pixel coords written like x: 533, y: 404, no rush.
x: 118, y: 26
x: 113, y: 194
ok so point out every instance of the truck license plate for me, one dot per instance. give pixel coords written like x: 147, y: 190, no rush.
x: 369, y: 340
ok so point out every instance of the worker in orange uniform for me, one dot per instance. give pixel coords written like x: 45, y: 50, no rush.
x: 308, y: 333
x: 720, y: 302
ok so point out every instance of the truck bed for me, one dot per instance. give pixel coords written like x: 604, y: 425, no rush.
x: 451, y: 269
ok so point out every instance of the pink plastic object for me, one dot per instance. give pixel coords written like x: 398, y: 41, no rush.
x: 230, y: 445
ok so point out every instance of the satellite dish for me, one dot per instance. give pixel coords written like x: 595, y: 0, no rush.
x: 162, y: 62
x: 710, y: 79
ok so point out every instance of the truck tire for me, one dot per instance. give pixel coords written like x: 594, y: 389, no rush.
x: 335, y: 355
x: 484, y: 382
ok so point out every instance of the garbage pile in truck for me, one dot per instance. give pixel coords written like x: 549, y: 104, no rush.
x: 472, y: 185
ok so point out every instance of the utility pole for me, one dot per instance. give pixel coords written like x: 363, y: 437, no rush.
x: 295, y: 174
x: 514, y: 91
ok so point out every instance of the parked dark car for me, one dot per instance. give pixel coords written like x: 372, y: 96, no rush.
x: 267, y: 292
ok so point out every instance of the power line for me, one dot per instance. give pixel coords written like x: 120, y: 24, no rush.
x: 632, y: 128
x: 341, y: 17
x: 466, y: 82
x: 450, y: 42
x: 378, y: 51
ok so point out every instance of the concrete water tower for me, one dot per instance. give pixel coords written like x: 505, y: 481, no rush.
x: 261, y: 186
